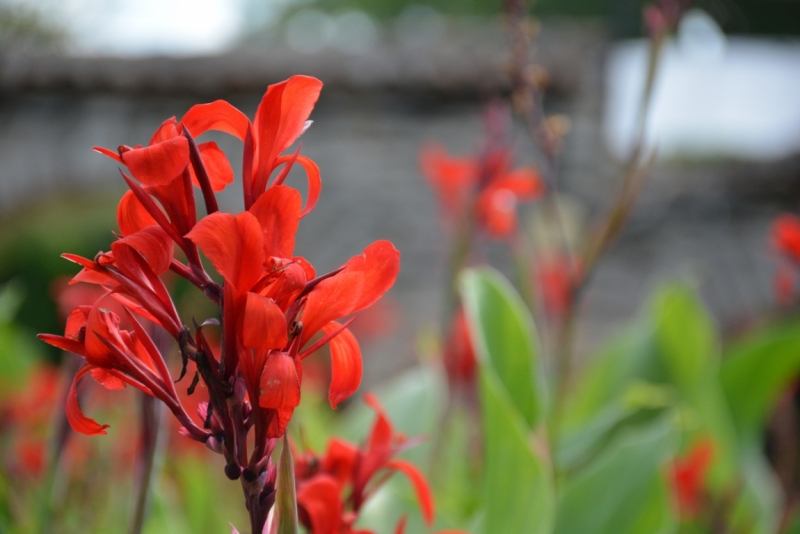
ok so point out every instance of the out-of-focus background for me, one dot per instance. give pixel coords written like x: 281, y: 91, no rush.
x: 725, y: 122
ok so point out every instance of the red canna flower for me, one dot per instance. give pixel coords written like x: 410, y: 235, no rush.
x: 332, y: 489
x: 688, y: 476
x: 274, y: 310
x: 486, y: 185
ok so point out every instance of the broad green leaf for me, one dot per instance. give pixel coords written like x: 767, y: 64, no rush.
x: 518, y: 487
x: 755, y: 372
x: 686, y: 335
x: 610, y: 495
x: 628, y: 358
x: 689, y: 352
x: 285, y: 496
x: 503, y: 334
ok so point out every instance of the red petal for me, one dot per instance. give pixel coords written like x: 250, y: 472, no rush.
x: 63, y: 343
x: 380, y: 439
x: 79, y: 422
x: 364, y: 279
x: 321, y: 500
x: 281, y: 118
x: 280, y: 385
x: 289, y: 284
x: 314, y: 180
x: 131, y: 215
x: 346, y: 367
x: 307, y: 267
x: 234, y: 245
x: 151, y: 242
x: 263, y: 324
x: 786, y: 235
x: 158, y: 164
x: 101, y: 323
x: 401, y: 525
x: 220, y: 173
x: 278, y: 212
x: 218, y: 115
x: 107, y: 379
x: 497, y: 209
x: 76, y: 321
x: 421, y: 487
x: 525, y: 183
x: 451, y: 178
x: 167, y: 130
x: 277, y: 426
x: 340, y: 460
x: 106, y: 152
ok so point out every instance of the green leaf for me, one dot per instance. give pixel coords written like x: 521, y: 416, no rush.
x: 611, y: 494
x: 755, y: 372
x: 285, y: 497
x: 518, y: 486
x: 689, y: 352
x: 503, y: 335
x: 686, y: 335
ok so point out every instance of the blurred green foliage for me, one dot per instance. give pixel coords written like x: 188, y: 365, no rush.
x: 32, y: 240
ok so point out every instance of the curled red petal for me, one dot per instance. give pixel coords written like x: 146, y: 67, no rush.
x: 364, y: 279
x: 234, y: 245
x: 313, y: 177
x: 321, y: 500
x: 278, y: 212
x: 281, y: 118
x: 218, y: 115
x: 167, y: 130
x: 280, y: 383
x: 263, y: 324
x: 220, y: 173
x: 132, y: 215
x: 79, y: 422
x: 160, y: 163
x: 346, y: 365
x: 423, y: 491
x: 153, y: 243
x: 108, y: 380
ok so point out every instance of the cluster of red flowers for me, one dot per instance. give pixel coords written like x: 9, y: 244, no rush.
x: 332, y: 489
x: 485, y: 187
x: 274, y: 310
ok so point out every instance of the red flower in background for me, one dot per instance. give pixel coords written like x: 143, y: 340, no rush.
x: 332, y: 489
x: 785, y: 237
x: 487, y: 186
x: 688, y: 475
x: 555, y: 281
x: 459, y: 355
